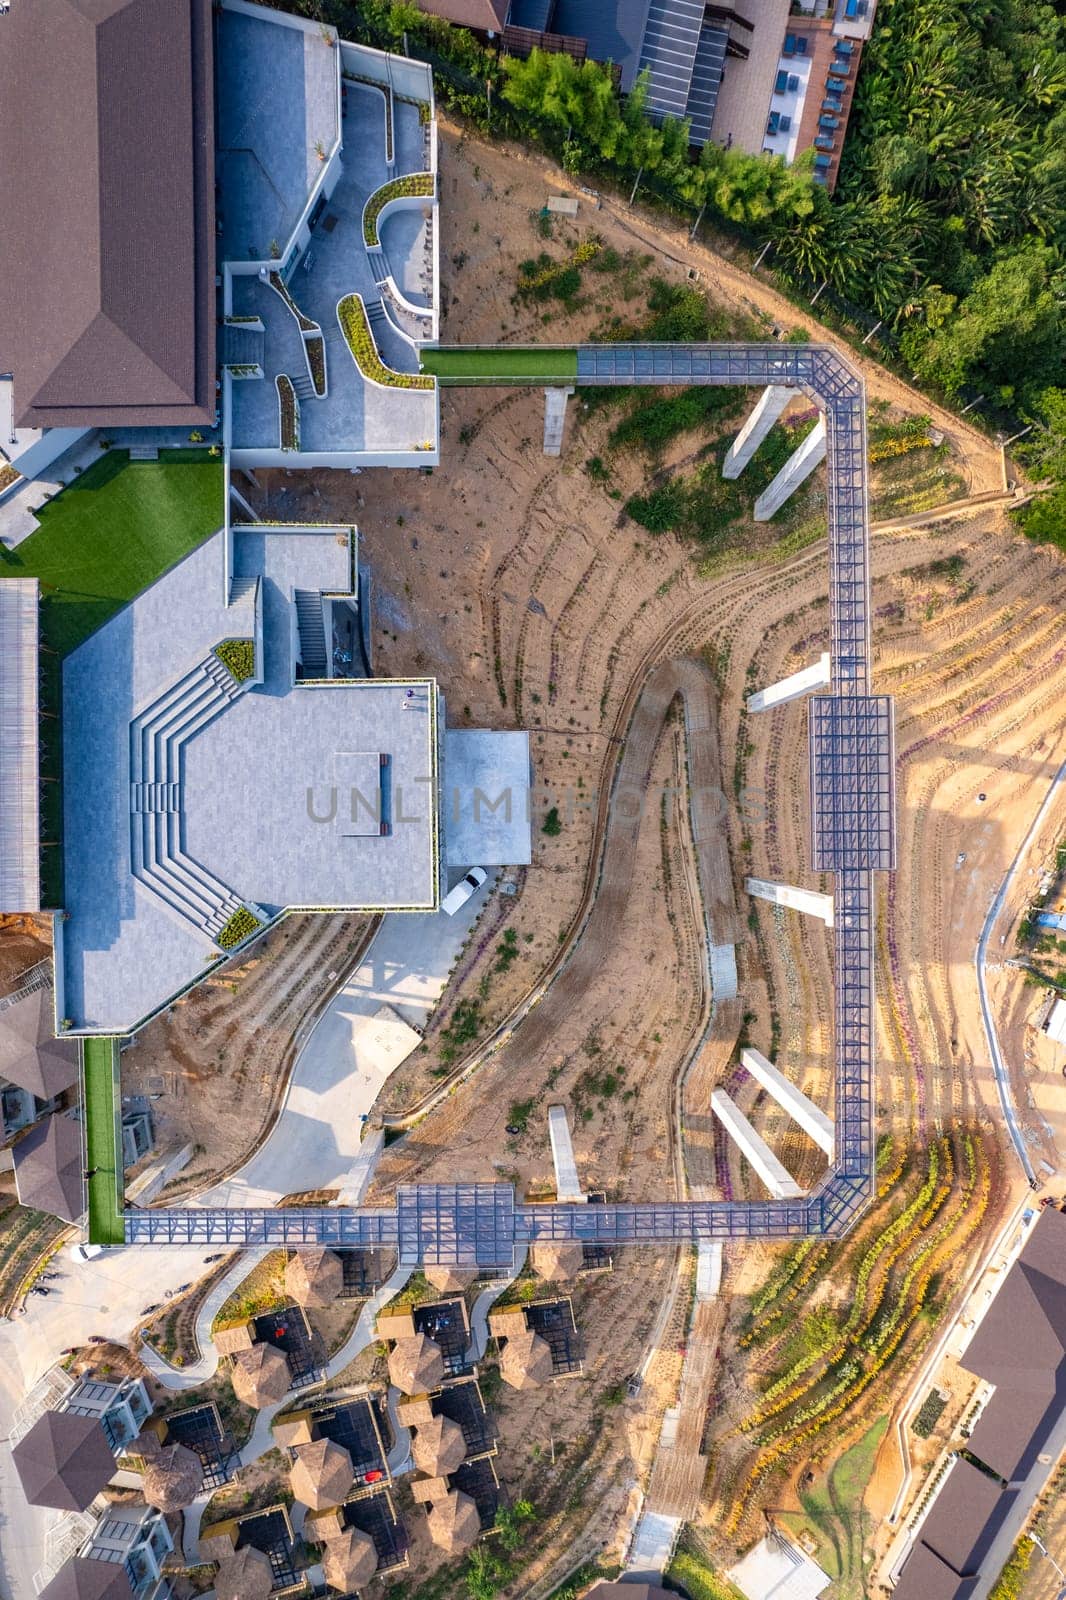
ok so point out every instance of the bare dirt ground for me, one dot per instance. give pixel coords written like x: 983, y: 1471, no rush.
x: 24, y: 941
x: 216, y: 1064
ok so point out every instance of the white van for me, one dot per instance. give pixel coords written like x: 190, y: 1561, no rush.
x: 463, y: 890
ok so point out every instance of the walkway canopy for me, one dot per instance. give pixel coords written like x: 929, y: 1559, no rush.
x: 20, y: 827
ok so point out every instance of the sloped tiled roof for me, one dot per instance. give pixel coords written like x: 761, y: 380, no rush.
x: 107, y: 253
x: 64, y: 1461
x: 30, y: 1054
x: 48, y: 1168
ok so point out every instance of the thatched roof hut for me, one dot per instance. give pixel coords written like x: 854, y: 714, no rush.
x: 438, y: 1446
x: 557, y: 1262
x: 350, y: 1561
x: 450, y: 1280
x: 416, y: 1365
x: 173, y: 1478
x: 245, y: 1575
x: 314, y: 1277
x: 228, y: 1341
x: 526, y: 1360
x: 321, y: 1474
x: 453, y: 1523
x: 261, y: 1376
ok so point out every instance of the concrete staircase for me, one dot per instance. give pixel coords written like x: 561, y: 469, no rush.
x: 242, y: 346
x: 305, y: 389
x: 157, y: 737
x: 378, y: 265
x: 313, y: 658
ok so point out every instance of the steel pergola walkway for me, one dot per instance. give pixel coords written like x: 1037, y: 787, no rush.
x: 853, y: 823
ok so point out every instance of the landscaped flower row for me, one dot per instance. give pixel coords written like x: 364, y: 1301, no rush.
x: 416, y: 183
x: 277, y: 283
x: 351, y: 314
x: 237, y: 655
x: 315, y: 350
x: 290, y: 436
x: 240, y: 926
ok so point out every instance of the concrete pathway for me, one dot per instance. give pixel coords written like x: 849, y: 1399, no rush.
x: 197, y: 1372
x: 316, y: 1141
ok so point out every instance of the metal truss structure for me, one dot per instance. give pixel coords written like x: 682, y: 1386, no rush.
x: 853, y: 823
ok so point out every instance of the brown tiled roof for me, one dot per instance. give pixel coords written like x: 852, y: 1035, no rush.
x: 438, y: 1446
x: 526, y: 1360
x: 48, y: 1168
x: 82, y: 1579
x: 416, y: 1365
x: 173, y: 1479
x: 321, y: 1474
x: 350, y: 1561
x: 926, y: 1577
x: 64, y: 1461
x: 260, y: 1376
x: 107, y: 249
x: 245, y: 1575
x: 30, y: 1054
x: 314, y: 1277
x: 453, y: 1522
x: 487, y: 15
x: 1020, y: 1347
x: 964, y: 1517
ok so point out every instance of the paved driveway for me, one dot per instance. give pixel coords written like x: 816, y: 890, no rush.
x: 336, y: 1079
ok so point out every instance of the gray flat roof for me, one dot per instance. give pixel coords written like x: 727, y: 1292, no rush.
x: 20, y: 881
x: 252, y: 780
x: 277, y: 101
x: 485, y: 799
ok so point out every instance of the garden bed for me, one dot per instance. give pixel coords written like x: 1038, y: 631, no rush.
x: 415, y: 183
x: 237, y: 656
x: 351, y: 314
x: 315, y: 351
x: 240, y: 926
x: 288, y: 424
x: 279, y: 286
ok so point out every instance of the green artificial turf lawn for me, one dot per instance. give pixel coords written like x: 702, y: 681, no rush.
x: 112, y: 533
x: 502, y: 364
x: 100, y: 1078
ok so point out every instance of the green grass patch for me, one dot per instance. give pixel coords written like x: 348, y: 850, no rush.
x: 100, y: 1082
x: 458, y: 364
x: 112, y: 533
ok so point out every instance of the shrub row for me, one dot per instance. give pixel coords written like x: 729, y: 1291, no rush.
x: 416, y: 183
x: 238, y: 655
x: 351, y: 314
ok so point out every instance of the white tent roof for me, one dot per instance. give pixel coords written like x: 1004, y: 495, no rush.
x: 775, y: 1569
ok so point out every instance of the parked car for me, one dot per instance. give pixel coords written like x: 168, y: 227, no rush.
x: 85, y: 1252
x: 463, y: 890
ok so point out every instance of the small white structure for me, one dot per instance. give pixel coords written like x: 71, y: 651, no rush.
x: 1055, y: 1026
x: 799, y: 466
x: 777, y: 1178
x: 555, y: 419
x: 814, y: 1122
x: 769, y: 406
x: 794, y: 686
x: 567, y: 1183
x: 784, y: 894
x: 776, y: 1569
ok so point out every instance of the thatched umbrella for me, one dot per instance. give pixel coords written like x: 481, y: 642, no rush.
x: 314, y: 1277
x: 439, y: 1447
x: 350, y: 1561
x: 557, y: 1262
x: 321, y: 1474
x: 450, y: 1279
x: 526, y: 1360
x: 416, y: 1364
x: 454, y: 1523
x: 260, y: 1376
x: 245, y: 1575
x: 173, y: 1478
